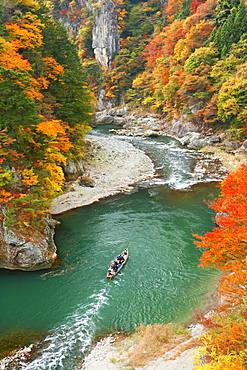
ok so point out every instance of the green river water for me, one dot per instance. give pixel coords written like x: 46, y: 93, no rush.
x: 160, y: 283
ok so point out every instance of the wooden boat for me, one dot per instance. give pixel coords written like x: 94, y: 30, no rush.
x: 111, y: 273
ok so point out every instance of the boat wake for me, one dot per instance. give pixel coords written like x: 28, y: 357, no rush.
x: 69, y: 340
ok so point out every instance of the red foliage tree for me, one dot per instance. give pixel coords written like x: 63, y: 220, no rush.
x: 194, y: 5
x: 225, y: 246
x: 163, y: 44
x: 172, y: 7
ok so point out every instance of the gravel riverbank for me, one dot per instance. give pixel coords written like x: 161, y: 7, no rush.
x: 112, y: 353
x: 214, y: 142
x: 115, y: 166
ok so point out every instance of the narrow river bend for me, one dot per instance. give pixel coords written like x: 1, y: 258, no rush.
x: 160, y: 283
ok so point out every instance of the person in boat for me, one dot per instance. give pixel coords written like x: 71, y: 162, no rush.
x: 120, y: 259
x: 114, y: 266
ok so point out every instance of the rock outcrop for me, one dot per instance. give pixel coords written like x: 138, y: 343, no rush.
x: 73, y: 169
x: 105, y: 38
x: 105, y: 34
x: 244, y: 146
x: 27, y: 250
x: 113, y: 115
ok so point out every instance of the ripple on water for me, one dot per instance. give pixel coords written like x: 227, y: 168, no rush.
x: 160, y: 283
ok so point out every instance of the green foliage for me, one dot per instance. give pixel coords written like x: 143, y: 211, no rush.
x: 141, y: 20
x: 73, y: 104
x: 6, y: 178
x: 204, y: 55
x: 186, y: 9
x: 73, y: 101
x: 232, y: 100
x: 224, y: 8
x: 44, y: 107
x: 16, y: 108
x: 231, y: 29
x: 196, y: 67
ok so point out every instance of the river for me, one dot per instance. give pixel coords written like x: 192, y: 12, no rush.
x: 160, y: 283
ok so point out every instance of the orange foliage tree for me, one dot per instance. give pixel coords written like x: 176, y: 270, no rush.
x: 34, y: 140
x: 194, y: 5
x: 225, y: 246
x: 224, y: 345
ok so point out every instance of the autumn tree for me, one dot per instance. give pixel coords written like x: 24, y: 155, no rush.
x: 44, y: 109
x: 225, y: 247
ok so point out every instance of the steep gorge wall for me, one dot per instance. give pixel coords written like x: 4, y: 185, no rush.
x: 105, y: 34
x: 111, y: 36
x: 104, y: 31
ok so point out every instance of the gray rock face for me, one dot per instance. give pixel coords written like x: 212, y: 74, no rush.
x: 105, y: 38
x: 103, y: 102
x: 73, y: 169
x: 196, y: 140
x: 232, y: 145
x: 181, y: 128
x: 105, y: 34
x: 113, y: 115
x: 27, y: 251
x: 244, y: 147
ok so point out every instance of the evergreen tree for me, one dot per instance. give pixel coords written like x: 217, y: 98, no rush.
x: 231, y: 30
x: 186, y: 9
x: 44, y: 108
x: 72, y: 100
x: 16, y: 108
x: 224, y: 8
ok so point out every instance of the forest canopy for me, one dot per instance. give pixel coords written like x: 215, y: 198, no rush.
x: 45, y: 108
x: 185, y: 57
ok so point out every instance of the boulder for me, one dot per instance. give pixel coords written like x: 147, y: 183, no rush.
x: 243, y: 147
x: 197, y: 144
x: 119, y: 120
x: 190, y: 138
x: 103, y: 118
x: 152, y: 133
x: 114, y: 115
x: 86, y: 181
x: 215, y: 139
x: 232, y: 145
x: 195, y: 140
x: 27, y: 249
x: 119, y: 112
x: 73, y: 169
x: 180, y: 128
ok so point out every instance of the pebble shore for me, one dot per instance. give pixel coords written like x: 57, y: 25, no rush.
x: 115, y: 166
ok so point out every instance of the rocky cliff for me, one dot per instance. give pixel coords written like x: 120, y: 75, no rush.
x: 105, y: 34
x: 29, y: 249
x: 104, y: 38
